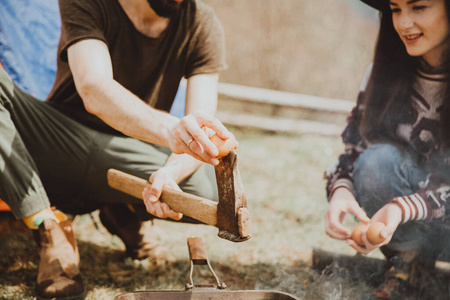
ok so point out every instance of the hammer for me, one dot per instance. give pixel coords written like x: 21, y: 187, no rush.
x: 230, y: 214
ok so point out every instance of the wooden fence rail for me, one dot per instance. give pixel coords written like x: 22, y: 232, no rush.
x: 290, y: 100
x: 315, y: 114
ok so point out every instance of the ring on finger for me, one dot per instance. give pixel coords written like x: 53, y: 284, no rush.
x: 189, y: 143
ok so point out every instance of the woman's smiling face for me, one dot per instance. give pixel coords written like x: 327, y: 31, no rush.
x: 423, y: 26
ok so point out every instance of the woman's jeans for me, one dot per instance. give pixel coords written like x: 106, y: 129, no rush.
x: 383, y: 172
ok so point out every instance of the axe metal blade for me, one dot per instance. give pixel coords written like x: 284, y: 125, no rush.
x: 232, y: 225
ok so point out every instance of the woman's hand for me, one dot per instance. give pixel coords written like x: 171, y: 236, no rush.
x: 160, y: 179
x: 391, y: 215
x: 341, y: 203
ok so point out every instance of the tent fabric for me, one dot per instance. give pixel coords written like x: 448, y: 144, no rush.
x: 29, y: 36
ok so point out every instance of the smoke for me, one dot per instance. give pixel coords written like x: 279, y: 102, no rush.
x: 332, y: 283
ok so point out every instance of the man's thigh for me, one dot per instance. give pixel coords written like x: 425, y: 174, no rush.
x: 139, y: 159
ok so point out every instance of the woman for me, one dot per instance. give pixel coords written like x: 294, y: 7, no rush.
x: 396, y: 166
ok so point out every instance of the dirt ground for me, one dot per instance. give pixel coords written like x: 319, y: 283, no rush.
x: 286, y: 200
x: 282, y: 177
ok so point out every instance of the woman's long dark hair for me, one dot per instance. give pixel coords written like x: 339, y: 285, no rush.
x: 388, y: 90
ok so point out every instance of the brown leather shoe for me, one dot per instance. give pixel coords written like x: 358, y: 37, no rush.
x: 58, y: 276
x: 139, y: 240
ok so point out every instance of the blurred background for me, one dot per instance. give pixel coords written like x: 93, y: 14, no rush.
x: 319, y: 47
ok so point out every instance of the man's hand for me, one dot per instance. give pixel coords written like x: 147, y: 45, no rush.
x: 159, y: 179
x: 341, y: 203
x: 187, y: 136
x: 391, y: 215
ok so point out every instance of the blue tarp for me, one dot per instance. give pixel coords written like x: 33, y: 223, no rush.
x: 29, y: 36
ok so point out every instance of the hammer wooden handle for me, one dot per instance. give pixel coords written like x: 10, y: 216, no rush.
x: 201, y: 209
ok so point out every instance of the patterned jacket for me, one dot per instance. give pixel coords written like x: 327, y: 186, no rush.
x: 419, y: 129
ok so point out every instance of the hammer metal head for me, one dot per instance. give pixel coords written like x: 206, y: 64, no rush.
x: 233, y: 217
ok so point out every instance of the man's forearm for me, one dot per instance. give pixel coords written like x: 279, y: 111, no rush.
x: 91, y: 67
x: 125, y: 112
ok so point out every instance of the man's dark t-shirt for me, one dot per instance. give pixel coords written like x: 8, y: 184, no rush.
x: 151, y: 68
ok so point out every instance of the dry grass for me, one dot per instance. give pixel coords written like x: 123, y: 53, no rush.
x: 282, y: 177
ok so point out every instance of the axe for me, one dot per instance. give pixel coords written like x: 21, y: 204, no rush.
x: 230, y: 214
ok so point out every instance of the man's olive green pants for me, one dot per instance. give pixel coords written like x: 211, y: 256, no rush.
x: 47, y: 158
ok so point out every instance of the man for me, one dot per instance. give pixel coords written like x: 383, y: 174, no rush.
x: 119, y: 66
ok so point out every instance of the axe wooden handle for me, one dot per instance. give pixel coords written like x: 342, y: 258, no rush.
x: 197, y: 251
x: 201, y: 209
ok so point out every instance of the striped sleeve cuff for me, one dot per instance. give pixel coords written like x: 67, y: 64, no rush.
x: 414, y: 208
x: 342, y: 182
